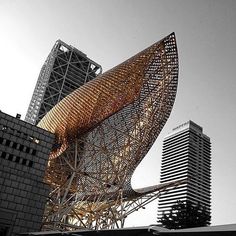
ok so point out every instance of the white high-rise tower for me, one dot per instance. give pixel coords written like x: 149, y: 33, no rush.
x: 186, y: 156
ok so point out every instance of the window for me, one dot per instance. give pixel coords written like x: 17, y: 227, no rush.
x: 3, y: 155
x: 34, y: 152
x: 14, y: 145
x: 27, y: 150
x: 21, y: 148
x: 30, y: 163
x: 17, y: 160
x: 24, y: 162
x: 10, y: 157
x: 8, y: 143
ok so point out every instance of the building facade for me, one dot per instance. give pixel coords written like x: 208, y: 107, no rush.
x: 65, y: 69
x: 186, y: 156
x: 24, y: 152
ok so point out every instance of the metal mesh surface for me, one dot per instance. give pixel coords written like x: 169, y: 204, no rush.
x: 105, y: 128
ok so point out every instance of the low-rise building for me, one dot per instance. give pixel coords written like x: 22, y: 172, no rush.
x: 24, y: 151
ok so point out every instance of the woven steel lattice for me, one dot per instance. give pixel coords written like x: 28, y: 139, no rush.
x: 103, y: 130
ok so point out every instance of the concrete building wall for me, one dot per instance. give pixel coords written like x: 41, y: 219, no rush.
x: 24, y: 151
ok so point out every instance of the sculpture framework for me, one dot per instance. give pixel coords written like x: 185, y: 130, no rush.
x: 103, y: 130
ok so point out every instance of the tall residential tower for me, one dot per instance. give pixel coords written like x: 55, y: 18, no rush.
x: 186, y: 156
x: 65, y: 69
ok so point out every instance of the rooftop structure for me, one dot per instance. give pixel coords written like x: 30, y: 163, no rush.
x: 217, y: 230
x: 65, y: 70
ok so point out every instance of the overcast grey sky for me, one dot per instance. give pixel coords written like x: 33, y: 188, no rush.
x: 110, y: 31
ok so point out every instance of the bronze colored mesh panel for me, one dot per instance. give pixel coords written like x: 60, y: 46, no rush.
x: 102, y: 97
x: 103, y: 130
x: 115, y: 118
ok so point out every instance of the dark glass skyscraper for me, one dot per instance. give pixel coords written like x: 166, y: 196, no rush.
x: 65, y: 69
x: 186, y: 156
